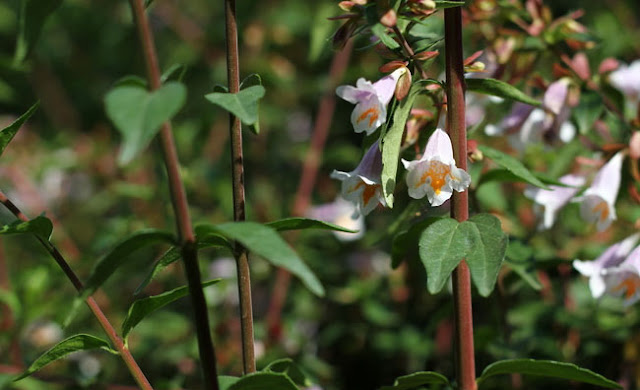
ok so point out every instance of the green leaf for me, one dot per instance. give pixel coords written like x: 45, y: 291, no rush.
x: 407, y: 239
x: 320, y: 30
x: 80, y: 342
x: 175, y: 72
x: 263, y: 381
x: 33, y: 14
x: 145, y: 306
x: 588, y: 111
x: 139, y: 114
x: 513, y: 165
x: 40, y: 226
x: 298, y: 223
x: 488, y: 252
x: 265, y: 242
x: 243, y: 104
x: 7, y: 134
x: 287, y: 367
x: 441, y: 4
x: 380, y: 31
x: 548, y: 369
x: 417, y: 380
x: 173, y: 254
x: 501, y: 89
x: 442, y: 245
x: 391, y: 142
x: 120, y: 254
x: 225, y: 381
x: 519, y: 259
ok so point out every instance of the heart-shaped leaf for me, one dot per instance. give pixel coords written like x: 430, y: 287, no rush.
x: 488, y: 252
x: 138, y: 114
x: 243, y: 104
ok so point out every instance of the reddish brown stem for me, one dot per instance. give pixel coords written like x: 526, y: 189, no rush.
x: 465, y: 358
x: 181, y: 209
x: 133, y: 367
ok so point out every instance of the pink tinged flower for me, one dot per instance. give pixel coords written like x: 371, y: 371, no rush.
x: 608, y: 260
x: 341, y: 213
x: 362, y: 185
x: 435, y: 174
x: 371, y: 100
x: 625, y: 278
x: 552, y: 200
x: 598, y: 202
x: 627, y: 79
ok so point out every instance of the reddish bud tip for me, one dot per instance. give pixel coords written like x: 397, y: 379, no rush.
x: 389, y: 19
x: 392, y: 65
x: 608, y: 65
x: 634, y: 145
x: 426, y: 55
x: 403, y: 86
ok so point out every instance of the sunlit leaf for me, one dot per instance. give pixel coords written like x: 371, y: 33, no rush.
x: 380, y: 31
x: 513, y: 165
x: 243, y: 104
x: 298, y: 223
x: 500, y: 89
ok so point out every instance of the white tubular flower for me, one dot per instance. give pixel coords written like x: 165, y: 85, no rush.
x: 371, y: 100
x: 598, y: 202
x: 435, y: 174
x: 608, y: 260
x: 362, y: 185
x: 627, y: 80
x: 552, y: 200
x: 340, y: 212
x: 625, y: 278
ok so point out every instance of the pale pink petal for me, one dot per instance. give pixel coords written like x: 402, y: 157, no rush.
x: 555, y: 97
x: 439, y: 144
x: 386, y: 86
x: 368, y: 115
x: 595, y: 209
x: 459, y: 179
x: 606, y: 184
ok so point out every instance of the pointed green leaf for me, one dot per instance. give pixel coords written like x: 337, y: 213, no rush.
x: 501, y: 89
x: 243, y: 104
x: 297, y: 223
x: 488, y: 252
x: 263, y: 381
x: 287, y: 367
x: 173, y: 254
x: 391, y: 142
x: 417, y: 380
x: 442, y: 245
x: 548, y: 369
x: 7, y: 134
x: 407, y: 239
x: 265, y: 242
x: 225, y: 381
x: 80, y: 342
x: 519, y: 259
x: 139, y: 114
x: 145, y: 306
x: 380, y: 31
x: 40, y: 226
x: 513, y: 165
x: 120, y: 254
x: 33, y: 15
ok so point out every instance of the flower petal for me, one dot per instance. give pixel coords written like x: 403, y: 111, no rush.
x: 606, y: 184
x: 439, y: 144
x: 368, y: 115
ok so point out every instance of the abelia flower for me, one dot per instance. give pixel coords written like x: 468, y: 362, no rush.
x: 549, y: 202
x: 362, y: 185
x: 371, y: 100
x: 435, y: 174
x: 340, y: 212
x: 627, y: 80
x: 625, y: 278
x: 611, y: 258
x: 598, y: 201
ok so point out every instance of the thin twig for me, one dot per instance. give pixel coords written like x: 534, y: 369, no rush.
x: 409, y: 51
x: 133, y: 367
x: 181, y: 209
x: 465, y: 359
x: 237, y: 170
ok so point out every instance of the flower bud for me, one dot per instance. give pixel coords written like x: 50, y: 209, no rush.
x: 634, y: 145
x: 426, y: 55
x: 392, y: 65
x: 389, y: 19
x: 403, y: 86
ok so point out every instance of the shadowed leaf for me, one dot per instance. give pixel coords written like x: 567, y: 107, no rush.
x: 7, y: 134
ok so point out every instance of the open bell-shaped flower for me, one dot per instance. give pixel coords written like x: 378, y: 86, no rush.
x: 627, y: 79
x: 341, y: 213
x: 609, y: 259
x: 553, y: 199
x: 435, y: 174
x: 362, y: 185
x: 598, y: 201
x: 371, y: 100
x: 625, y: 278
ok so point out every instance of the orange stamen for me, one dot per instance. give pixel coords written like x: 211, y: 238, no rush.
x: 437, y: 172
x: 373, y: 111
x: 601, y: 208
x: 630, y: 285
x: 369, y: 192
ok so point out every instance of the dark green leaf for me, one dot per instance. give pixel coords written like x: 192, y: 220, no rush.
x: 225, y: 381
x: 145, y: 306
x: 500, y: 89
x: 548, y: 369
x: 391, y: 142
x: 7, y: 134
x: 33, y: 14
x: 519, y: 259
x: 120, y: 254
x: 488, y: 252
x: 287, y: 367
x: 265, y: 242
x: 513, y: 165
x: 320, y: 30
x: 297, y: 223
x: 417, y: 380
x: 138, y: 114
x: 173, y: 255
x: 407, y: 239
x: 505, y: 175
x: 264, y: 381
x: 442, y: 245
x: 441, y: 4
x: 175, y: 72
x: 380, y: 31
x: 80, y: 342
x: 588, y: 111
x: 243, y: 104
x: 40, y: 226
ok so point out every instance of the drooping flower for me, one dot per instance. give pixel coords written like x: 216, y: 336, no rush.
x: 549, y: 202
x: 371, y: 100
x: 625, y: 278
x: 435, y: 174
x: 597, y: 204
x: 627, y: 80
x: 340, y: 212
x: 362, y: 185
x: 609, y: 259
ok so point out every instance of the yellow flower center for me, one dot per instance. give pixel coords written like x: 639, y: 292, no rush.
x: 630, y: 285
x: 602, y: 209
x: 437, y: 172
x: 373, y: 112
